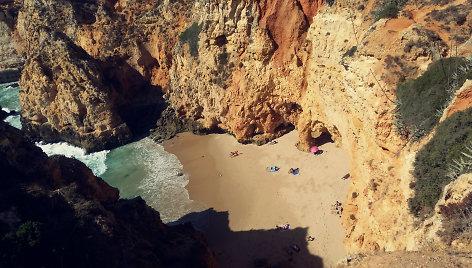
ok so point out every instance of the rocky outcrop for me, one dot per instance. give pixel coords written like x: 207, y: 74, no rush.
x: 237, y: 87
x: 3, y: 114
x: 429, y: 258
x: 449, y: 228
x: 11, y: 58
x: 256, y: 69
x: 130, y: 44
x: 64, y: 96
x: 254, y: 79
x: 54, y: 212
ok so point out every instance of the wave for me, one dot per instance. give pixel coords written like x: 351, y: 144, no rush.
x: 14, y: 121
x: 95, y: 161
x: 164, y: 185
x: 145, y: 169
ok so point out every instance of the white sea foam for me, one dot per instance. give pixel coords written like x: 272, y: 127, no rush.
x: 6, y: 109
x: 95, y: 161
x: 141, y: 168
x: 14, y: 120
x: 163, y: 187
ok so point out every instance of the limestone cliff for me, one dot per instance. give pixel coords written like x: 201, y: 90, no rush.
x: 74, y: 104
x: 11, y: 58
x: 256, y: 69
x: 55, y: 213
x: 121, y: 50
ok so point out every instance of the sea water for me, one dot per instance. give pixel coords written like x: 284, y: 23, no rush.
x: 145, y: 169
x: 10, y: 102
x: 142, y: 168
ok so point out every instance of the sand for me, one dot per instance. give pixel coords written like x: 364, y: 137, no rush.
x: 248, y: 202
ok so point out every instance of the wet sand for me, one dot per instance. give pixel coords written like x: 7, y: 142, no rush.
x: 248, y: 201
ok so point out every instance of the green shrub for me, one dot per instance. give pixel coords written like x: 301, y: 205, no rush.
x: 432, y: 161
x: 17, y: 247
x: 420, y: 101
x: 350, y: 52
x: 387, y: 10
x: 190, y: 36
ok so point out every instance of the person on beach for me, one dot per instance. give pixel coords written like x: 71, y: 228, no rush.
x: 296, y: 248
x: 282, y: 227
x: 273, y: 169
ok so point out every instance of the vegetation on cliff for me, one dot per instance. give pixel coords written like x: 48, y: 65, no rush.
x: 190, y: 36
x: 434, y: 159
x: 420, y: 102
x: 388, y: 9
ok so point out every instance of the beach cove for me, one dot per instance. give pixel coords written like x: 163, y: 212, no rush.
x: 246, y: 202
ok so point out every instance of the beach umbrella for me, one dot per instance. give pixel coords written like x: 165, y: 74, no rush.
x: 314, y: 149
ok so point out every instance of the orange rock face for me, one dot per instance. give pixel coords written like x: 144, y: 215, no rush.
x: 258, y: 69
x: 461, y: 102
x: 287, y: 24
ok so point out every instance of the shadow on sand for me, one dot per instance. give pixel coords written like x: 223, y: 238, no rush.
x: 253, y: 248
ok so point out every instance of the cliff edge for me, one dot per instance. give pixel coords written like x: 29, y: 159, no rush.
x: 54, y: 212
x: 255, y: 69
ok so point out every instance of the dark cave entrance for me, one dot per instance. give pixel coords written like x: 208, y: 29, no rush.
x: 323, y: 138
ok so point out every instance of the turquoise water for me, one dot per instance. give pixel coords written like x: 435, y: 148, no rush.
x: 10, y: 102
x: 142, y: 168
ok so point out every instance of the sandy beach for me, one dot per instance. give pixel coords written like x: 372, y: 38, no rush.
x: 246, y: 201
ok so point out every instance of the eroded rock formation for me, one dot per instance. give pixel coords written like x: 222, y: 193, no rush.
x: 63, y: 94
x: 126, y: 46
x: 264, y: 78
x: 54, y: 212
x: 11, y: 58
x: 256, y: 69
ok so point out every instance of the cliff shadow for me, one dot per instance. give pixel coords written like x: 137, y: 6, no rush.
x: 138, y: 102
x: 253, y: 248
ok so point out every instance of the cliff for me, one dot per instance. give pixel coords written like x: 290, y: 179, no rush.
x: 74, y: 104
x: 257, y: 73
x: 11, y: 57
x: 116, y: 59
x: 256, y: 69
x: 54, y: 212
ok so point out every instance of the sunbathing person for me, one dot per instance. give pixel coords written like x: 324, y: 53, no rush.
x: 282, y: 227
x: 273, y: 169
